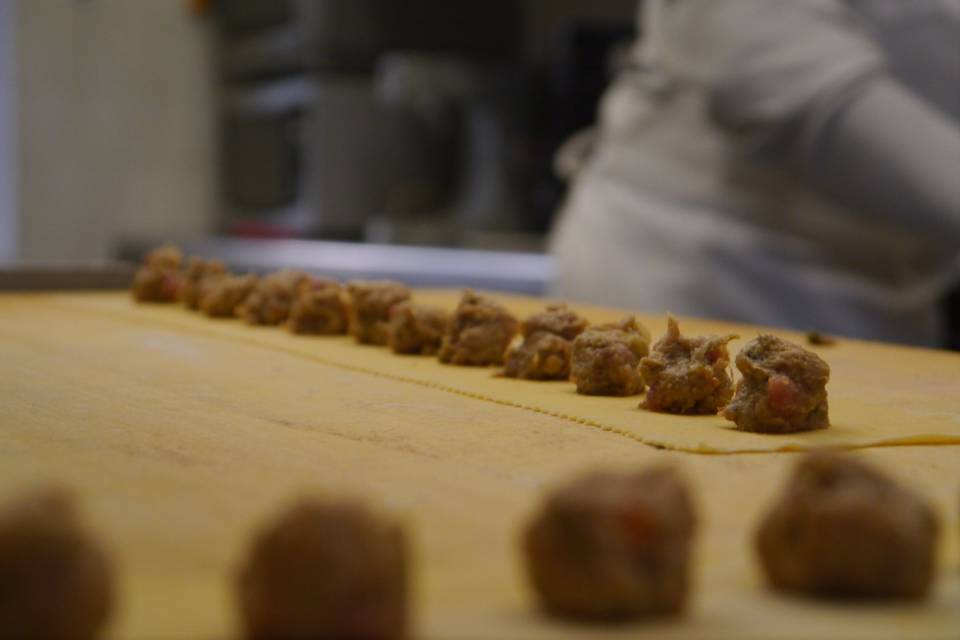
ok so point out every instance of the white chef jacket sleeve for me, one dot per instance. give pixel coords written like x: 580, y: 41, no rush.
x: 802, y: 83
x: 889, y: 154
x: 763, y: 61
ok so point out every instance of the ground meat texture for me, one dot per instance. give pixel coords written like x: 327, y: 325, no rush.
x: 613, y: 546
x: 542, y: 356
x: 370, y: 309
x: 55, y: 579
x: 783, y: 389
x: 819, y: 339
x: 272, y: 298
x: 322, y: 308
x: 417, y: 329
x: 687, y: 375
x: 165, y: 257
x: 199, y: 275
x: 605, y: 359
x: 326, y: 569
x: 222, y: 296
x: 557, y: 319
x: 479, y: 333
x: 842, y: 528
x: 548, y: 338
x: 159, y: 279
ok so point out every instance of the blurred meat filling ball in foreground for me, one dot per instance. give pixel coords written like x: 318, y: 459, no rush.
x: 842, y: 528
x: 326, y: 569
x: 613, y: 546
x: 55, y: 580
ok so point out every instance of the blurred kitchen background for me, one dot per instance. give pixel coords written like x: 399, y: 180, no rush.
x: 412, y: 139
x: 228, y: 125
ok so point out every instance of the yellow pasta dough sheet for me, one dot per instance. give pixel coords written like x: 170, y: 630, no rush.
x: 181, y: 434
x: 880, y: 395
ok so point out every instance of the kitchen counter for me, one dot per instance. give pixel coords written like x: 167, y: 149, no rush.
x: 181, y: 434
x: 512, y: 271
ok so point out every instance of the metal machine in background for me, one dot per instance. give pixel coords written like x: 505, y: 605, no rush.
x: 419, y: 122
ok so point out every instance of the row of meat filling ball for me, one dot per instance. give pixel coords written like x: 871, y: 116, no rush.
x: 605, y: 547
x: 782, y: 389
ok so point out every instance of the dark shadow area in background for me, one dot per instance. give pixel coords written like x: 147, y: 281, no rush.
x: 482, y: 96
x: 951, y: 308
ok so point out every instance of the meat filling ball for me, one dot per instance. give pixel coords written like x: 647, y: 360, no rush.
x: 222, y: 296
x: 613, y: 546
x: 322, y: 308
x: 606, y: 359
x: 159, y: 279
x: 547, y: 343
x: 200, y: 273
x: 272, y: 298
x: 55, y: 579
x: 417, y: 328
x: 326, y: 569
x: 370, y: 309
x: 687, y: 375
x: 783, y: 389
x: 479, y: 333
x: 842, y: 528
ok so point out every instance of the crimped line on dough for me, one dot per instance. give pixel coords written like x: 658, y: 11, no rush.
x: 134, y: 315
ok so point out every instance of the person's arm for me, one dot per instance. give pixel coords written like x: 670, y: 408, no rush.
x: 802, y: 84
x: 889, y: 154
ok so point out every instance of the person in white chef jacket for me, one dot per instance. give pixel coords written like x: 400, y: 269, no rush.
x: 793, y: 163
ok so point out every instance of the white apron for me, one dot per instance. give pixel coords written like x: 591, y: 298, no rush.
x: 668, y: 213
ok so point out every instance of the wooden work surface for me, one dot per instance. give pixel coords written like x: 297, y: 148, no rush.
x: 182, y: 433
